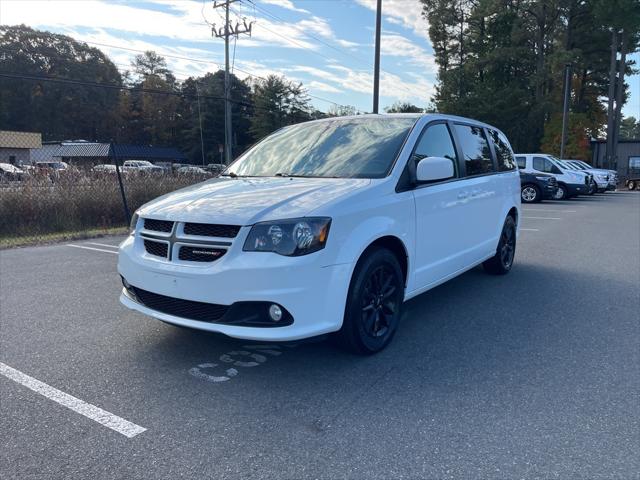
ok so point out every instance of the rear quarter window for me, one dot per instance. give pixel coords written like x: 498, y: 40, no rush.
x: 504, y: 155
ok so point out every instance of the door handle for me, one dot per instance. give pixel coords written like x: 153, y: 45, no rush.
x: 463, y: 195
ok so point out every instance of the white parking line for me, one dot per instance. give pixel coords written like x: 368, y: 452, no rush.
x: 547, y: 210
x: 543, y: 218
x: 529, y: 230
x: 96, y: 414
x: 103, y: 245
x: 91, y: 248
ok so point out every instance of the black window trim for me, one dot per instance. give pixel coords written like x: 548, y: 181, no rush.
x: 407, y: 180
x: 409, y: 184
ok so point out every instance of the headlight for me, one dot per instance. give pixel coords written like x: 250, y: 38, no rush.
x: 134, y: 222
x: 295, y: 237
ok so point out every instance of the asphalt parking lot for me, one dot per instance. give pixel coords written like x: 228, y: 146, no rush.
x: 531, y: 375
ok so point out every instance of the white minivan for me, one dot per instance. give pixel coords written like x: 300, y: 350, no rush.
x: 327, y: 227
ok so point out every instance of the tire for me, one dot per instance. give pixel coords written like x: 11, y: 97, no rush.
x: 562, y: 193
x: 631, y: 185
x: 530, y: 194
x: 502, y: 261
x: 374, y: 303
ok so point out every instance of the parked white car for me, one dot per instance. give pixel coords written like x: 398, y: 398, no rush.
x: 327, y: 227
x: 570, y: 182
x: 104, y: 168
x: 141, y: 166
x: 192, y: 170
x: 605, y: 179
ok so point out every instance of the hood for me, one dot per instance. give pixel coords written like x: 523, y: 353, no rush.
x: 245, y: 201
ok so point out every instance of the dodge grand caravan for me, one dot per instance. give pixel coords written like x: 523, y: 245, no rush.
x: 327, y: 227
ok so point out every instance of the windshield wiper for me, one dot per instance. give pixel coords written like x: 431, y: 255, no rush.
x: 281, y: 174
x: 230, y: 174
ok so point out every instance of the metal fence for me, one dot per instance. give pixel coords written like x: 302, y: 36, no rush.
x: 65, y: 197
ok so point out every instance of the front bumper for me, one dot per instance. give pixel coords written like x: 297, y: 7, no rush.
x: 313, y: 294
x: 577, y: 189
x: 549, y: 191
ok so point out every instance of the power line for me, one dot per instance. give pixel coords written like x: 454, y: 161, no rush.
x: 208, y: 62
x: 338, y: 49
x: 318, y: 39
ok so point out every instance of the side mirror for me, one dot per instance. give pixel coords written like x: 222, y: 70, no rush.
x: 431, y: 169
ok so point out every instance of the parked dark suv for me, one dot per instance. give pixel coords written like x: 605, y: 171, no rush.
x: 536, y: 187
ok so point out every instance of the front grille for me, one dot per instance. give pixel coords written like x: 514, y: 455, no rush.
x: 204, y: 312
x: 211, y: 230
x: 200, y: 254
x: 156, y: 248
x: 158, y: 225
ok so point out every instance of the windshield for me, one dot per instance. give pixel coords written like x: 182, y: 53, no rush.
x: 578, y: 166
x: 566, y: 165
x: 344, y: 148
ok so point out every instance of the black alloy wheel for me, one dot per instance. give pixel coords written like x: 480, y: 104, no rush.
x: 374, y: 303
x: 502, y: 261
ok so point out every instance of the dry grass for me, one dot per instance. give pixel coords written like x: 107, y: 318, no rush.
x: 37, y: 208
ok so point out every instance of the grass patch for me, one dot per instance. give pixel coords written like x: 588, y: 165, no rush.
x: 23, y: 241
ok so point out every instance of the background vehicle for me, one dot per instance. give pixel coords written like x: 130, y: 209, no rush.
x: 570, y: 182
x: 327, y: 227
x: 593, y: 186
x: 633, y: 183
x: 57, y: 166
x: 536, y: 187
x: 216, y: 168
x: 10, y: 172
x: 611, y: 176
x: 191, y: 170
x: 141, y: 166
x: 105, y: 168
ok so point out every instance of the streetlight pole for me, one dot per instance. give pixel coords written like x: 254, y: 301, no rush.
x: 376, y: 68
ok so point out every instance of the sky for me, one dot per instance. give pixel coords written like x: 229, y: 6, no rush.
x: 328, y: 45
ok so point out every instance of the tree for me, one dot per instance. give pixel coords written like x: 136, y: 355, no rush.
x: 336, y: 110
x: 150, y: 63
x: 277, y: 103
x: 502, y: 61
x: 403, y: 107
x: 630, y: 128
x: 57, y: 110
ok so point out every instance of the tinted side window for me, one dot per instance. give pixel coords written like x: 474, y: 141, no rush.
x: 522, y: 162
x: 436, y: 142
x: 475, y: 149
x: 503, y: 152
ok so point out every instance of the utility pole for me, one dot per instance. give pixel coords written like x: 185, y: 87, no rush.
x: 617, y: 119
x: 565, y: 108
x: 376, y: 67
x: 225, y: 32
x: 610, y: 104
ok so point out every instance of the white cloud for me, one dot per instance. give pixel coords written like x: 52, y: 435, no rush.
x: 288, y: 4
x: 319, y: 26
x: 398, y: 46
x: 402, y: 12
